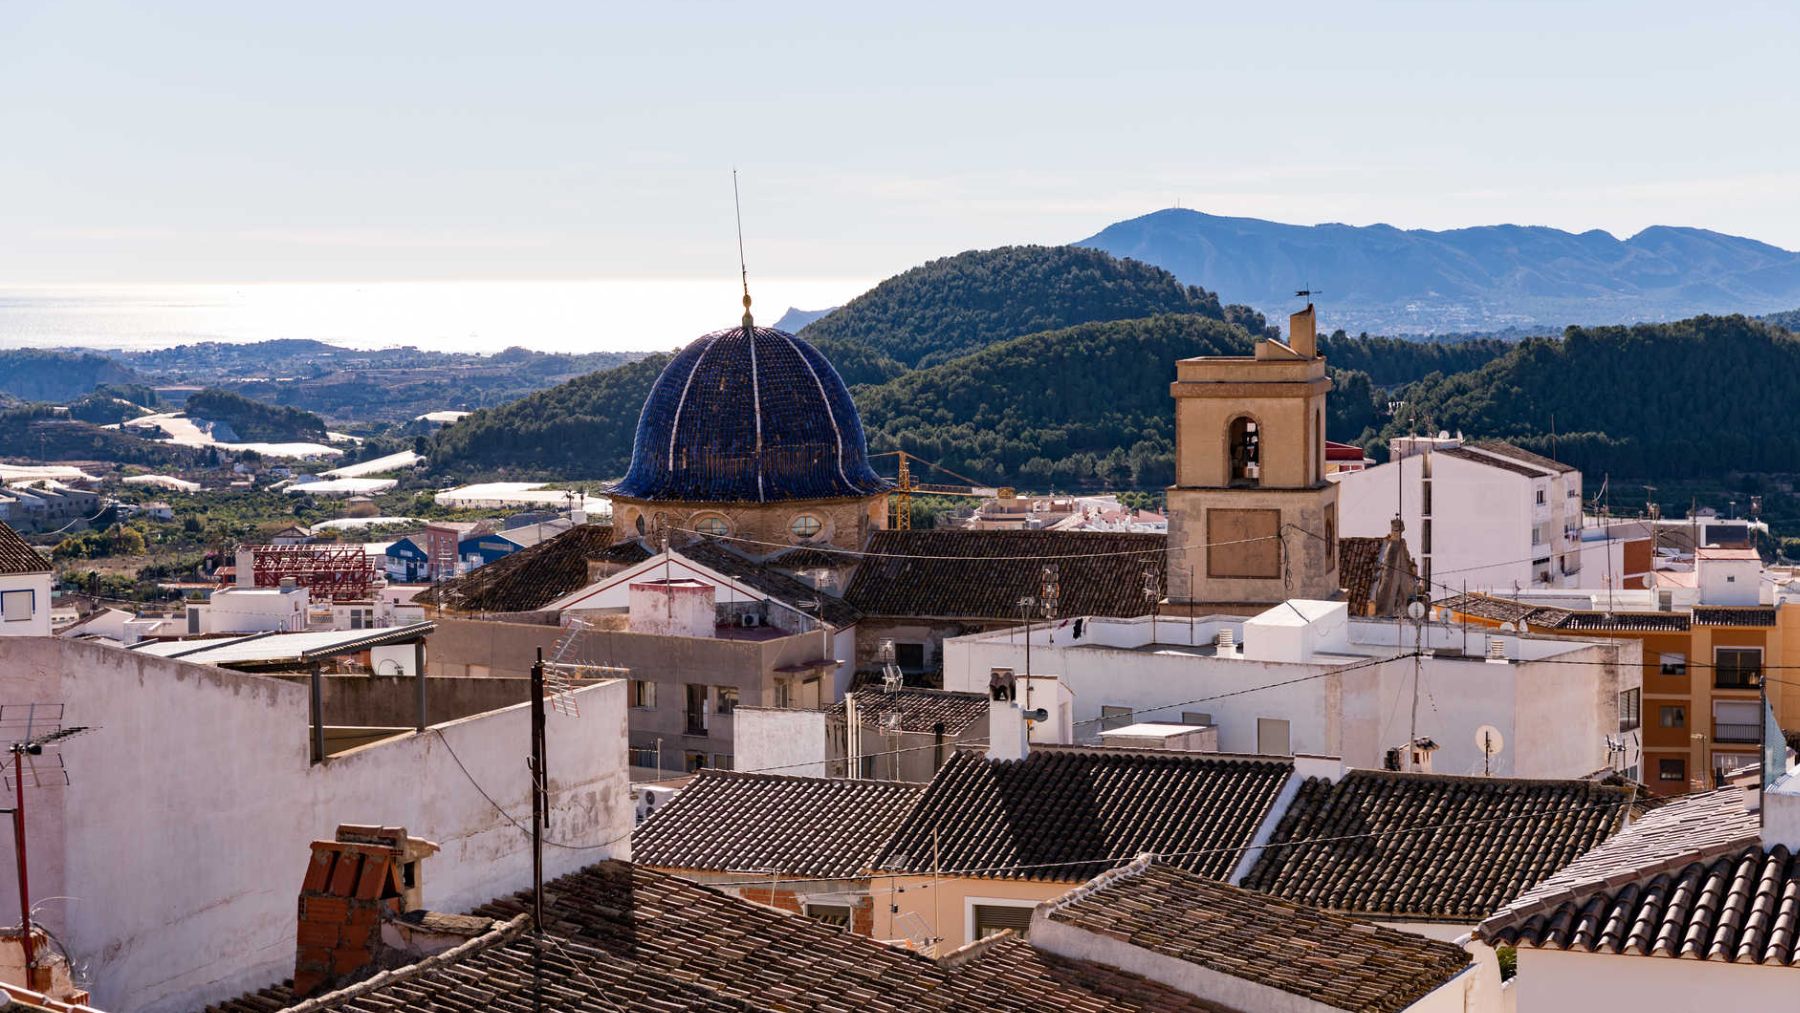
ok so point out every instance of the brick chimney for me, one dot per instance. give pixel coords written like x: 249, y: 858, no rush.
x: 353, y: 884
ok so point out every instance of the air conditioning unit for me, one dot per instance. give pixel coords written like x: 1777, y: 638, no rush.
x: 749, y: 620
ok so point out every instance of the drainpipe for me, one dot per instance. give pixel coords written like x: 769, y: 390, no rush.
x: 318, y: 715
x: 419, y: 670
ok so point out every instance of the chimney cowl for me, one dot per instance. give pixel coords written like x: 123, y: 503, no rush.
x: 365, y: 876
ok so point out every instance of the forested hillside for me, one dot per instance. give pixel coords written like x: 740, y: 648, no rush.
x: 1687, y: 399
x: 35, y: 374
x: 255, y: 422
x: 580, y: 429
x: 960, y: 304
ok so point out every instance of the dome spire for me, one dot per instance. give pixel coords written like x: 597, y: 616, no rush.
x: 738, y: 206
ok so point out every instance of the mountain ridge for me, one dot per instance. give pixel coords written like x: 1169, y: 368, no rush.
x: 1385, y: 279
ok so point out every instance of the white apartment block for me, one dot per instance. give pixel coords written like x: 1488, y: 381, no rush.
x: 1485, y: 514
x: 1304, y: 678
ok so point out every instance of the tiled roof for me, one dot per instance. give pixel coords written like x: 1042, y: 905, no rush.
x: 1328, y: 958
x: 1522, y: 455
x: 623, y: 938
x: 1743, y: 907
x: 16, y: 557
x: 525, y: 580
x: 918, y: 710
x: 1071, y: 813
x: 1492, y: 461
x: 624, y: 553
x: 1545, y: 617
x: 962, y: 574
x: 812, y: 557
x: 764, y: 577
x: 1667, y: 839
x: 1429, y: 847
x: 1726, y: 615
x: 800, y: 826
x: 1377, y: 573
x: 752, y: 415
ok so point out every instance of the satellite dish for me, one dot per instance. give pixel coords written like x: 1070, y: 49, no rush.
x: 1508, y: 628
x: 1489, y: 740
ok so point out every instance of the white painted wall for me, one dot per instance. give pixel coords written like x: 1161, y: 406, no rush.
x: 37, y: 621
x: 1558, y: 980
x: 780, y: 741
x: 1552, y: 705
x: 253, y: 610
x: 180, y: 845
x: 1482, y: 518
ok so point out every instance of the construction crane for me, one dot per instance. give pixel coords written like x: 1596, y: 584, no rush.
x: 900, y: 501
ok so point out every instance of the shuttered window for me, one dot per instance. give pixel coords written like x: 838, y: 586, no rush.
x: 993, y: 918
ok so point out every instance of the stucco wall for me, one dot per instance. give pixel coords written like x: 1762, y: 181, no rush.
x: 390, y: 700
x: 179, y: 848
x: 39, y: 623
x: 1556, y: 980
x: 944, y: 905
x: 781, y: 741
x: 1553, y: 713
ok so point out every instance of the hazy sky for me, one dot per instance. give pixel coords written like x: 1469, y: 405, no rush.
x: 187, y: 141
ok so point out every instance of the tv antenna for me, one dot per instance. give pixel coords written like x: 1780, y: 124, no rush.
x: 38, y: 727
x: 1308, y: 293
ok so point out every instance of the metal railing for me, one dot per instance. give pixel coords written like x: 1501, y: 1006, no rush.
x: 1733, y: 731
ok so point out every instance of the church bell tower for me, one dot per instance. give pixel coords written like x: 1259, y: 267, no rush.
x: 1252, y: 520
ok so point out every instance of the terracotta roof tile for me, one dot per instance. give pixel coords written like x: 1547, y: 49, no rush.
x: 17, y: 557
x: 1429, y: 847
x: 525, y: 580
x: 917, y: 710
x: 1071, y: 813
x: 961, y: 574
x: 767, y: 578
x: 1522, y: 455
x: 1328, y: 958
x: 1670, y: 838
x: 1725, y: 615
x: 801, y: 826
x: 621, y: 937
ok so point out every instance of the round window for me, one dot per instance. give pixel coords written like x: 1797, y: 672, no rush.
x: 805, y: 526
x: 714, y: 527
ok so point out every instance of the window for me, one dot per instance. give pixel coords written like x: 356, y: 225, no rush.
x: 1671, y: 770
x: 1272, y: 737
x: 643, y: 756
x: 696, y: 761
x: 783, y: 691
x: 723, y: 761
x: 17, y: 606
x: 805, y: 526
x: 1737, y: 667
x: 728, y: 698
x: 713, y: 526
x: 1631, y: 704
x: 830, y: 914
x: 1737, y: 721
x: 1425, y: 536
x: 1725, y: 763
x: 1114, y: 717
x: 695, y: 708
x: 910, y: 657
x: 1425, y: 499
x: 1245, y: 447
x: 1195, y: 718
x: 643, y: 694
x: 1674, y: 717
x: 1540, y: 493
x: 992, y: 919
x: 1331, y: 538
x: 1674, y: 664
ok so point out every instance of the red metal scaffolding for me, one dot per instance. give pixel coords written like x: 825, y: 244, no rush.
x: 330, y: 572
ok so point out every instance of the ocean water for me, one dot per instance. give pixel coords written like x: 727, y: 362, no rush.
x: 598, y: 315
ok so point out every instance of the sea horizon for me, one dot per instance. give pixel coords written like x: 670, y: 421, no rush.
x: 479, y: 316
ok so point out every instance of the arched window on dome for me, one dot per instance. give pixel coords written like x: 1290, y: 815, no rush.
x: 712, y: 526
x: 805, y: 526
x: 1244, y: 443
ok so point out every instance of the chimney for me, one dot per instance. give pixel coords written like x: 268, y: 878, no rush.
x: 682, y: 607
x: 246, y: 567
x: 1006, y: 722
x: 1303, y: 334
x: 366, y: 876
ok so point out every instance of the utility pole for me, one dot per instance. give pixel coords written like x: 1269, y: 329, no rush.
x: 23, y: 766
x: 540, y: 814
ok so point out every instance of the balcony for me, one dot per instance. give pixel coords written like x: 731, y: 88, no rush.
x: 1736, y: 731
x: 1737, y: 678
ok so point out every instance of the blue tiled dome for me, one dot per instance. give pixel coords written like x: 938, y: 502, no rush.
x: 749, y: 415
